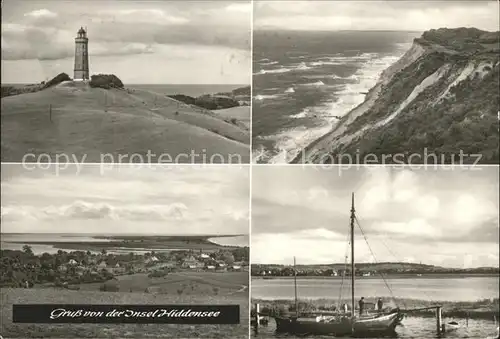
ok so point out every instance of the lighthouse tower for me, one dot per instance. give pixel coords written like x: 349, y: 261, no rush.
x: 81, y: 56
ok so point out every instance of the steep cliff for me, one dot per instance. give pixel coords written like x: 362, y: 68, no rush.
x: 440, y: 98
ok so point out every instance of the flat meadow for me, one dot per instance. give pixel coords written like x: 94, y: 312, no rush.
x: 229, y: 288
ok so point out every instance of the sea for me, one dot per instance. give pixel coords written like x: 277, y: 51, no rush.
x: 303, y: 82
x: 11, y: 241
x: 192, y: 90
x: 412, y: 328
x: 421, y: 288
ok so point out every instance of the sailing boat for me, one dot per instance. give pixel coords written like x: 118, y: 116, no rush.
x: 340, y: 324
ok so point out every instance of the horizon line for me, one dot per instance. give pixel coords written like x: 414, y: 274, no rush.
x: 130, y: 234
x: 336, y: 30
x: 174, y: 84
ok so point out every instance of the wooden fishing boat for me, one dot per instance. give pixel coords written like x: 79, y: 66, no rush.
x: 340, y: 324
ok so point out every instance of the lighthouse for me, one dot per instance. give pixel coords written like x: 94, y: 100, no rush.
x: 81, y: 56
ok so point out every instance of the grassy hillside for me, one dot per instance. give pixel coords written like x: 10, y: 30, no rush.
x: 24, y: 296
x: 236, y: 115
x: 74, y: 119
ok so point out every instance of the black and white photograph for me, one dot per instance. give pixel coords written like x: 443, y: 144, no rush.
x: 375, y: 82
x: 374, y: 252
x: 93, y: 234
x: 126, y: 81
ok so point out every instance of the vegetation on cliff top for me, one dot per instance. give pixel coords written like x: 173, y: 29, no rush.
x: 462, y: 39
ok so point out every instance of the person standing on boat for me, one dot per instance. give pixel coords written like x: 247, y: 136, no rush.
x: 361, y: 303
x: 380, y: 304
x: 344, y: 308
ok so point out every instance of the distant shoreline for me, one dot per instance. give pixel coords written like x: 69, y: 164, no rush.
x: 388, y: 276
x: 132, y: 242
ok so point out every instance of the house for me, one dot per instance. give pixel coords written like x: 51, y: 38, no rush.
x: 72, y: 262
x: 210, y: 267
x: 367, y: 274
x: 204, y: 256
x: 102, y: 265
x: 152, y: 259
x: 236, y: 267
x: 221, y: 263
x: 62, y: 268
x: 190, y: 264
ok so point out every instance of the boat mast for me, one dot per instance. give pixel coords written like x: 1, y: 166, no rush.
x: 352, y: 255
x: 295, y: 284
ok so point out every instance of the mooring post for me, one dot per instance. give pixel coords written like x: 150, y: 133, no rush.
x: 257, y: 318
x: 439, y: 319
x: 105, y: 102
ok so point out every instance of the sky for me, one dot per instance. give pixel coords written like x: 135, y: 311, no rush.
x: 375, y: 15
x: 442, y: 217
x: 193, y: 200
x: 142, y: 42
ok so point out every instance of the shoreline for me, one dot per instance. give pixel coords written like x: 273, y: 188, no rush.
x: 310, y: 152
x: 132, y: 243
x: 123, y: 246
x: 305, y: 153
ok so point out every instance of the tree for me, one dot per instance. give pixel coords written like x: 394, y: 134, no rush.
x: 228, y: 258
x: 28, y: 250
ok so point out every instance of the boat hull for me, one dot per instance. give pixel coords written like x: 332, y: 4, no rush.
x: 338, y: 327
x: 377, y: 325
x: 341, y: 326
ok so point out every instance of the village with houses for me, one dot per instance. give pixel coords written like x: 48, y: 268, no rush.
x: 64, y: 269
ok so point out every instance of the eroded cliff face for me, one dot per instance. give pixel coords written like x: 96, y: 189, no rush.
x: 440, y: 98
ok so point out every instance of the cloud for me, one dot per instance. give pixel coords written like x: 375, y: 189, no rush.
x: 244, y: 7
x: 41, y: 13
x: 88, y: 210
x: 118, y: 29
x: 170, y: 199
x: 373, y: 15
x: 414, y: 209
